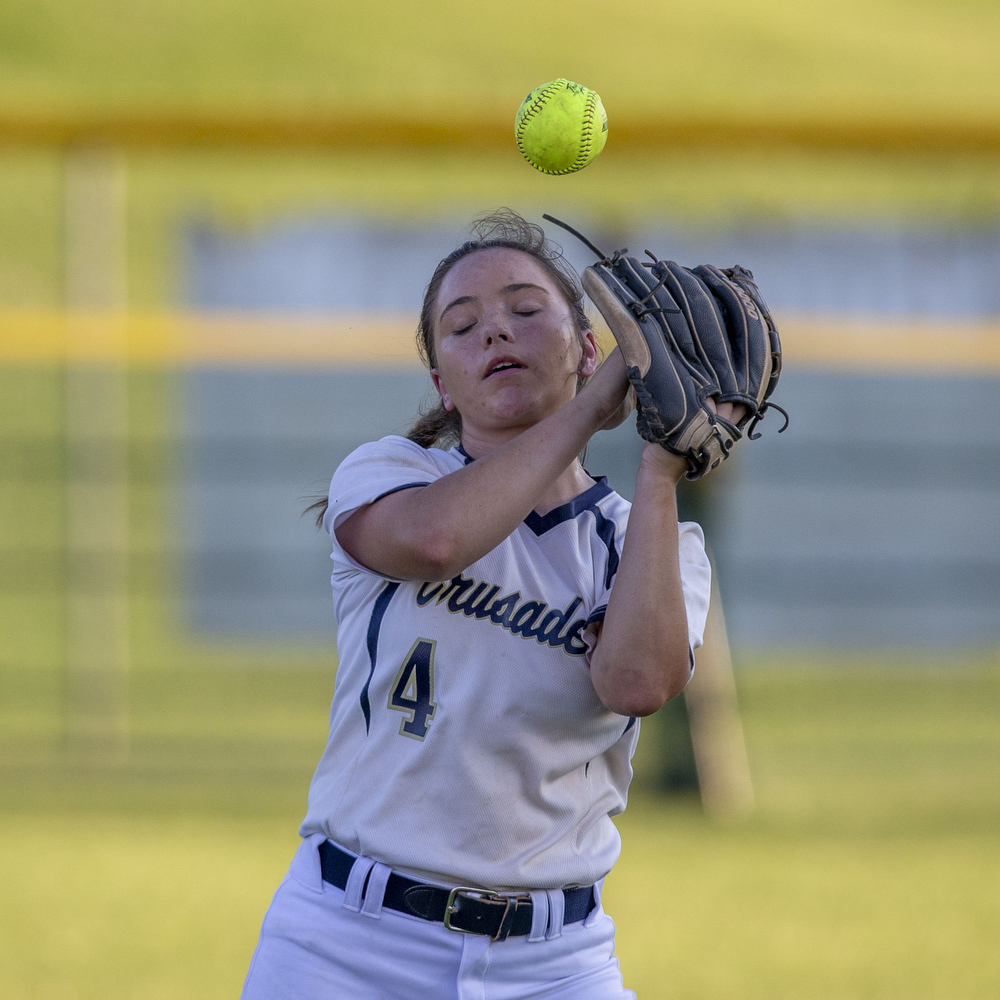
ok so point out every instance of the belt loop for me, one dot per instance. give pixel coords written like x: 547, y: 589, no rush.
x: 354, y: 890
x: 539, y: 915
x: 596, y: 913
x: 557, y: 910
x: 375, y: 892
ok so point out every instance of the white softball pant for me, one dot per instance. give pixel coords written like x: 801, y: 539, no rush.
x: 314, y: 947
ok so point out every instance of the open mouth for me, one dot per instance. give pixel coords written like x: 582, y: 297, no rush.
x: 503, y: 365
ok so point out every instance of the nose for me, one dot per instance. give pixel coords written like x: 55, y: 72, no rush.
x: 495, y: 328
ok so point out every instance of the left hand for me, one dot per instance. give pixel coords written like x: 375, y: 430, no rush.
x: 660, y: 461
x: 733, y: 412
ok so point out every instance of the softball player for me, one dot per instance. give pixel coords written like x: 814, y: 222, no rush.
x: 499, y: 634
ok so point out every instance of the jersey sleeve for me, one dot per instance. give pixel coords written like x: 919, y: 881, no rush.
x: 696, y: 585
x: 696, y: 579
x: 372, y: 472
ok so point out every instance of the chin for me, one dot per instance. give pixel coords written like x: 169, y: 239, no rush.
x: 514, y: 408
x: 522, y: 414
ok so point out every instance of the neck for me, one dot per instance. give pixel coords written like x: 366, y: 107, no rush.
x: 571, y: 482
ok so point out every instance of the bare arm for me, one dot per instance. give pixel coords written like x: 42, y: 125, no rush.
x: 436, y: 531
x: 642, y: 658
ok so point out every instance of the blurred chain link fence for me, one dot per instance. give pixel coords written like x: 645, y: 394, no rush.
x: 171, y: 468
x: 874, y: 519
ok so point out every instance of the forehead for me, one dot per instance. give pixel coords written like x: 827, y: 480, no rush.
x: 485, y: 272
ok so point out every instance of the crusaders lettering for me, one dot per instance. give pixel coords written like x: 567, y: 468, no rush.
x: 528, y: 619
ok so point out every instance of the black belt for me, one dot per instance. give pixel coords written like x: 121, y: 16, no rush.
x: 474, y: 911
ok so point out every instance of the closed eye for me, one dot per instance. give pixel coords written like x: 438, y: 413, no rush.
x: 465, y: 329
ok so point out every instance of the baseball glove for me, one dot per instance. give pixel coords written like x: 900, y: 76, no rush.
x: 689, y: 335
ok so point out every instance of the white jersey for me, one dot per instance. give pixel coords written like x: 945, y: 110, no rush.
x: 467, y: 744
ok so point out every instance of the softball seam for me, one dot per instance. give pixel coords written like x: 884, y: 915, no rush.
x: 586, y: 134
x: 536, y: 105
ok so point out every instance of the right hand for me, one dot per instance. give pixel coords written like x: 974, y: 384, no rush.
x: 610, y: 393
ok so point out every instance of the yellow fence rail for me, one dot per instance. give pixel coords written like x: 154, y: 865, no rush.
x: 55, y: 336
x: 377, y: 130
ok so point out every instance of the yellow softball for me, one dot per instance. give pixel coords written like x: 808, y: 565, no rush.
x: 561, y: 127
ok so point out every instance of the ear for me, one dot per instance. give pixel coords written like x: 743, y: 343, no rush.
x: 446, y: 400
x: 588, y: 357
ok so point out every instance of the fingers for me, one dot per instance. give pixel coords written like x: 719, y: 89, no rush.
x: 733, y: 412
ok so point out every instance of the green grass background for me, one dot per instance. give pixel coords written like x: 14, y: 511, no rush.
x: 869, y: 870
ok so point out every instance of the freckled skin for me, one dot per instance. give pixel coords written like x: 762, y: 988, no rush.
x: 531, y: 324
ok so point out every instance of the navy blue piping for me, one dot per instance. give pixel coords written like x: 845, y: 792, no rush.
x: 540, y: 523
x: 631, y: 723
x: 597, y: 615
x: 606, y: 533
x: 396, y: 489
x: 374, y: 626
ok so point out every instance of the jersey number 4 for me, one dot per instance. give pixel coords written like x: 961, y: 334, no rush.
x: 413, y: 690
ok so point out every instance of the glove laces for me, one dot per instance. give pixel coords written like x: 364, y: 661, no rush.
x: 759, y: 416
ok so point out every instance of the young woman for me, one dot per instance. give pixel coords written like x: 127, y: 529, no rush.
x: 499, y: 633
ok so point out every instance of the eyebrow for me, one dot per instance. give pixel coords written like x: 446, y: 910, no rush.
x: 506, y: 290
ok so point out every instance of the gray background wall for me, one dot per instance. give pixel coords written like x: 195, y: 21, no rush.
x: 874, y: 519
x: 344, y: 263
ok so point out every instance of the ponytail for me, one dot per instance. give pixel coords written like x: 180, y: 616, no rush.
x: 436, y: 425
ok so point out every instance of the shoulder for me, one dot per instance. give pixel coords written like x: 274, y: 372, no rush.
x: 395, y: 450
x: 379, y: 468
